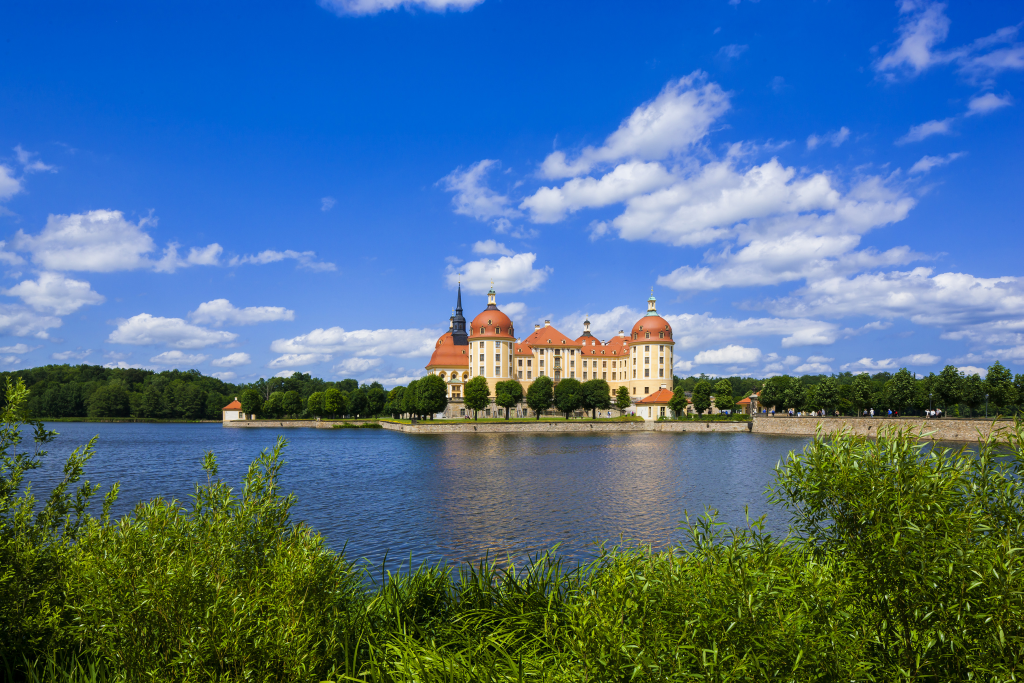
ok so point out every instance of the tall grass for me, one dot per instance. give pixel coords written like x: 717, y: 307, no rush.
x: 903, y: 564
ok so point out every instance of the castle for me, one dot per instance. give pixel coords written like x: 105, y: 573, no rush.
x: 488, y: 347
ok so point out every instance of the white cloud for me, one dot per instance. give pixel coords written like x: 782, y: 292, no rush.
x: 207, y: 256
x: 473, y: 198
x: 177, y: 358
x: 973, y: 370
x: 870, y: 365
x: 691, y: 330
x: 18, y: 348
x: 232, y: 360
x: 19, y: 321
x: 9, y: 257
x: 298, y: 359
x: 327, y: 203
x: 926, y: 130
x: 776, y: 364
x: 949, y: 300
x: 54, y: 293
x: 306, y: 259
x: 364, y: 7
x: 220, y: 311
x: 816, y: 368
x: 551, y: 204
x: 9, y: 185
x: 100, y: 241
x: 392, y: 380
x: 733, y: 354
x: 509, y: 273
x: 68, y: 355
x: 356, y: 366
x: 677, y: 118
x: 29, y: 164
x: 987, y: 103
x: 602, y: 325
x: 406, y: 343
x: 920, y: 359
x: 148, y: 329
x: 227, y: 376
x: 732, y: 51
x: 834, y: 138
x: 490, y: 247
x: 514, y: 309
x: 927, y: 163
x: 285, y: 373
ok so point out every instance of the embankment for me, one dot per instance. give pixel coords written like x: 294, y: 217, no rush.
x: 291, y: 424
x: 547, y: 427
x: 943, y: 429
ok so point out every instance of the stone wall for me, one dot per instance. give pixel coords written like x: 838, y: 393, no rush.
x: 291, y: 424
x: 943, y: 429
x: 542, y: 427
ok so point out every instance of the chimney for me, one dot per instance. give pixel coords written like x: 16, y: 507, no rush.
x: 547, y: 323
x: 622, y: 333
x: 536, y: 327
x: 663, y: 386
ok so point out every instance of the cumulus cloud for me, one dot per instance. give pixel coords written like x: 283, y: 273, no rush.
x: 889, y: 364
x: 677, y: 118
x: 68, y: 355
x: 987, y: 103
x: 356, y: 366
x: 18, y: 321
x: 305, y: 259
x: 834, y: 138
x: 508, y: 273
x: 926, y: 130
x: 406, y: 343
x: 920, y: 359
x: 220, y: 311
x: 121, y: 365
x: 144, y: 329
x: 603, y: 325
x: 205, y: 256
x: 514, y: 309
x: 490, y: 247
x: 364, y: 7
x: 29, y: 163
x: 178, y: 358
x: 776, y: 364
x: 232, y: 360
x: 692, y: 330
x: 552, y: 204
x: 973, y: 370
x: 9, y: 185
x: 55, y: 293
x: 226, y: 376
x: 103, y: 242
x: 815, y: 365
x: 733, y: 354
x: 9, y: 257
x: 927, y: 163
x: 475, y: 199
x: 290, y: 360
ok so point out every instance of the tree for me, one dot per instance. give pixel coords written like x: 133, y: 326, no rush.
x: 273, y: 407
x: 152, y: 404
x: 949, y: 387
x: 702, y: 396
x: 396, y: 402
x: 568, y: 395
x: 597, y: 395
x: 622, y: 400
x: 252, y: 402
x: 432, y: 395
x: 409, y: 399
x: 109, y: 401
x: 828, y: 394
x: 774, y: 391
x: 900, y: 389
x: 973, y: 392
x: 861, y: 395
x: 723, y: 395
x: 540, y: 395
x: 291, y: 403
x: 376, y: 397
x: 315, y: 404
x: 334, y: 402
x: 999, y: 386
x: 1018, y: 384
x: 678, y: 401
x: 794, y: 395
x: 357, y: 404
x: 508, y: 394
x: 478, y: 394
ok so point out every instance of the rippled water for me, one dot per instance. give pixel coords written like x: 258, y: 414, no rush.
x: 453, y: 496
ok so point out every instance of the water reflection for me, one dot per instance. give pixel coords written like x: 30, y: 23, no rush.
x: 456, y: 496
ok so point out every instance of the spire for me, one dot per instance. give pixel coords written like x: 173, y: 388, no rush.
x: 459, y: 336
x: 651, y: 308
x: 491, y: 302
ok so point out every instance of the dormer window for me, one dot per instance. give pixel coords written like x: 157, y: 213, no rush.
x: 648, y: 335
x: 481, y: 330
x: 497, y: 330
x: 661, y: 334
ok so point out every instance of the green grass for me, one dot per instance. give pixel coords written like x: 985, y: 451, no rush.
x: 122, y: 419
x: 527, y: 420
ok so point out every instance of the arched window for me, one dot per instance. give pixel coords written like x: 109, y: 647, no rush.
x: 648, y: 335
x: 481, y: 330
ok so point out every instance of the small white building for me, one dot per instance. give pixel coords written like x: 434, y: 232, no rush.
x: 651, y: 407
x: 232, y: 411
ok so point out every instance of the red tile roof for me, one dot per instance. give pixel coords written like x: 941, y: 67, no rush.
x: 659, y: 396
x: 549, y: 336
x: 234, y: 405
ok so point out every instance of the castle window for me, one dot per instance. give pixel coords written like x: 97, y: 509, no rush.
x: 661, y: 334
x: 520, y: 374
x: 481, y: 330
x: 584, y: 363
x: 497, y: 357
x: 647, y: 348
x: 647, y: 335
x: 661, y: 372
x: 529, y: 374
x: 481, y: 369
x: 584, y: 375
x: 481, y: 343
x: 497, y: 330
x: 520, y: 362
x: 647, y: 373
x: 481, y: 356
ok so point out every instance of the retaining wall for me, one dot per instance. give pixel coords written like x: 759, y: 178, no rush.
x: 942, y: 429
x: 289, y: 424
x: 542, y: 427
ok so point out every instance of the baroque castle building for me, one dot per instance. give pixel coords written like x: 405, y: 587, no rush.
x: 488, y: 346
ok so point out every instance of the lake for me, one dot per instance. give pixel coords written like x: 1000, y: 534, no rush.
x: 454, y: 496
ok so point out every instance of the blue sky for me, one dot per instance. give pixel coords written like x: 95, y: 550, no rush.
x: 253, y: 189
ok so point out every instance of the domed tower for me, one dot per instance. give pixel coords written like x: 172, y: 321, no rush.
x: 650, y: 354
x: 491, y: 343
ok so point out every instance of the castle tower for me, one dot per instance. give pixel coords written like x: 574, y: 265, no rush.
x: 459, y: 336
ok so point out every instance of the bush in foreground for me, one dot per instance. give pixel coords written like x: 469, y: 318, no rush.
x: 903, y: 566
